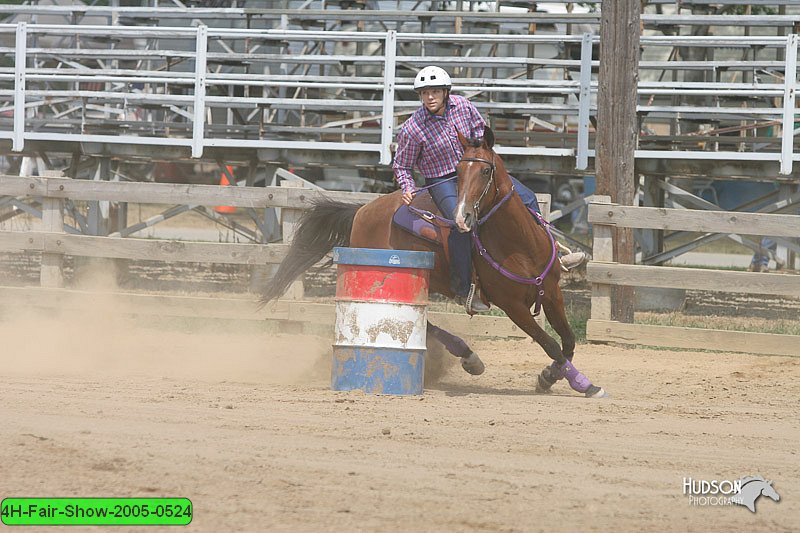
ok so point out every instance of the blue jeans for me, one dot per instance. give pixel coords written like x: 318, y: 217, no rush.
x: 460, y: 244
x: 761, y: 257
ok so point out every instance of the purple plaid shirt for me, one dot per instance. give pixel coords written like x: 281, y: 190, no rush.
x: 430, y: 143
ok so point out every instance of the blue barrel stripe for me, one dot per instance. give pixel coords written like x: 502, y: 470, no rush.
x: 378, y: 371
x: 383, y: 258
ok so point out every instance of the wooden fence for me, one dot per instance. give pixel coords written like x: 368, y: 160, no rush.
x: 604, y: 273
x: 54, y: 243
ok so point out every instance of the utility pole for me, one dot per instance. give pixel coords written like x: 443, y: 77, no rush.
x: 618, y: 127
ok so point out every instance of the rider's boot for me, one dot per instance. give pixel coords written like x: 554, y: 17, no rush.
x: 570, y: 259
x: 461, y: 278
x: 472, y: 302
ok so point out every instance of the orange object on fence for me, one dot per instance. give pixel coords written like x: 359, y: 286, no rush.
x: 223, y: 182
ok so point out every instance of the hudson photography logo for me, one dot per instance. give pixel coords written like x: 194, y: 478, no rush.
x: 745, y: 491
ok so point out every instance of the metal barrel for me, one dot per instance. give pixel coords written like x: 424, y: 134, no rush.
x: 381, y: 319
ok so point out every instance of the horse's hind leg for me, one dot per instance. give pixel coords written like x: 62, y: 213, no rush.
x: 456, y: 346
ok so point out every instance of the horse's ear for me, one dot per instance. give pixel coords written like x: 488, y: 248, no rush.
x: 488, y: 136
x: 463, y: 140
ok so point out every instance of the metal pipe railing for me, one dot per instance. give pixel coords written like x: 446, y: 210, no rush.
x: 187, y: 85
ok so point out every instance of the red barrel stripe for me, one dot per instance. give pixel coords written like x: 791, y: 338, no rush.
x: 382, y: 284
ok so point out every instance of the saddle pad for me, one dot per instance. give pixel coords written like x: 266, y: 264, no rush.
x: 409, y: 221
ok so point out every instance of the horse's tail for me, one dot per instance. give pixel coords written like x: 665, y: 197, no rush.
x: 327, y: 224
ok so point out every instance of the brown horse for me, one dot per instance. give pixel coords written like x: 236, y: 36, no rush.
x: 519, y: 247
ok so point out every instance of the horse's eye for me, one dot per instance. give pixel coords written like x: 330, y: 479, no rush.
x: 485, y: 171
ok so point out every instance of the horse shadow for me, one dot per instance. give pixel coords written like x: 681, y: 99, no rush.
x: 458, y: 389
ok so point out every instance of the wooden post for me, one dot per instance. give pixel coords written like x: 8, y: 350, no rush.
x: 602, y: 250
x: 97, y: 216
x: 782, y: 253
x: 652, y: 240
x: 617, y: 126
x: 260, y: 274
x: 92, y: 272
x: 52, y: 270
x: 289, y: 220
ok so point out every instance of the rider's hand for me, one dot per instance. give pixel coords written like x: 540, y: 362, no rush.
x: 408, y: 195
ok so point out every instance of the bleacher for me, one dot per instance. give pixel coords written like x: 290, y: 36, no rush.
x: 329, y: 82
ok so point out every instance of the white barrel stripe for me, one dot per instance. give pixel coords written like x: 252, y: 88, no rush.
x: 380, y: 325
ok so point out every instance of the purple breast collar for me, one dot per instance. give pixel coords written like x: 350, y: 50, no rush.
x: 538, y: 280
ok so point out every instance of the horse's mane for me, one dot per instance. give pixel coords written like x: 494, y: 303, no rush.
x: 749, y: 479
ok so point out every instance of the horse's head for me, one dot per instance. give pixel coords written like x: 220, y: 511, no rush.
x: 477, y: 178
x: 769, y: 491
x: 752, y: 487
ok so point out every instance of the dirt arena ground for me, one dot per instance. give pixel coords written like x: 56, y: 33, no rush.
x: 246, y: 427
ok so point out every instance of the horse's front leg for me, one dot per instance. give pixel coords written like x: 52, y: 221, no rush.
x: 561, y: 366
x: 456, y: 346
x: 554, y: 310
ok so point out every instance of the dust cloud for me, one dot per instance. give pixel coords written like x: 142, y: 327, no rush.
x: 96, y: 332
x: 438, y: 363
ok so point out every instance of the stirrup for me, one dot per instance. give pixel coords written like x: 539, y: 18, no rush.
x: 472, y: 305
x: 563, y: 249
x: 572, y: 260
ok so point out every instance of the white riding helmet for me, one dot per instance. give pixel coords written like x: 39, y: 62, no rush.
x: 432, y: 76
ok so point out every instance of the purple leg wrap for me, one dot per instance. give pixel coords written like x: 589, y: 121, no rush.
x: 576, y: 380
x: 455, y: 345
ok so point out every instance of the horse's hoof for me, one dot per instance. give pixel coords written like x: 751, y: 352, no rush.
x: 473, y: 364
x: 596, y: 392
x: 543, y: 386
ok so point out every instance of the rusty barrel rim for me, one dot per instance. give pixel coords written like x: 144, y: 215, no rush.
x: 384, y: 258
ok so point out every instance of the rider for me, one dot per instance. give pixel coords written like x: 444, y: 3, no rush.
x: 428, y: 141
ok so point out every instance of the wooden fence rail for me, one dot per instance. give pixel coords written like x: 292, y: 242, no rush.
x: 172, y: 193
x: 603, y: 272
x: 55, y: 241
